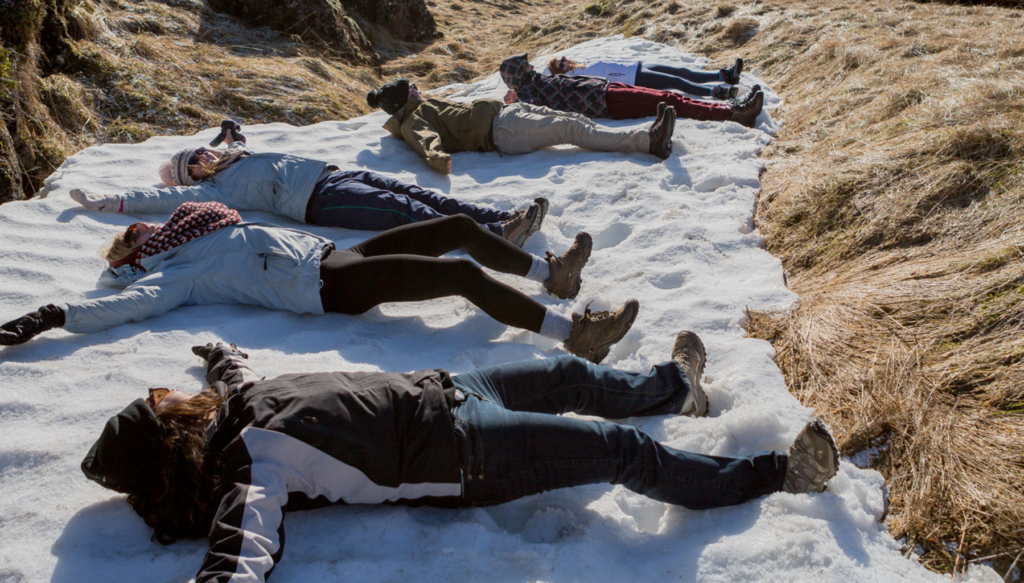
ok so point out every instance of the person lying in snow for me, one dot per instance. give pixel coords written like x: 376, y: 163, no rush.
x: 229, y: 462
x: 654, y: 76
x: 309, y: 191
x: 204, y: 254
x: 596, y: 97
x: 436, y: 128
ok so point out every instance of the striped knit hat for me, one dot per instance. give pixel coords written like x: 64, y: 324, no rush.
x: 179, y: 167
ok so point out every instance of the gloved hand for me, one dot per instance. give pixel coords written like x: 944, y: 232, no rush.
x: 24, y: 328
x: 230, y: 131
x: 109, y: 203
x: 204, y: 351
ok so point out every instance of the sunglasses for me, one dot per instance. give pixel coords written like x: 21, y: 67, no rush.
x: 132, y: 233
x: 155, y: 396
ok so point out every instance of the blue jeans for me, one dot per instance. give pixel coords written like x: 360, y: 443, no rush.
x: 367, y: 201
x: 513, y: 442
x: 678, y: 78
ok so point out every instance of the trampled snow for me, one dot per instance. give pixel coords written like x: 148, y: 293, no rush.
x: 676, y: 235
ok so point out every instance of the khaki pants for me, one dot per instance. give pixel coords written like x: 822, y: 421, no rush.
x: 520, y: 128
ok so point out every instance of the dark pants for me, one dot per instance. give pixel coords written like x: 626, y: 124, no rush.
x: 628, y: 101
x: 514, y: 443
x: 405, y: 265
x: 678, y: 78
x: 368, y: 201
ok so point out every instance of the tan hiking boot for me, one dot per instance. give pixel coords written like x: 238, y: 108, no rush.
x: 594, y: 333
x: 565, y: 280
x: 813, y: 460
x: 688, y: 352
x: 518, y: 228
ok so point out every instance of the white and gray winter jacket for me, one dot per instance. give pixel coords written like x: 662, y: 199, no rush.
x: 302, y: 441
x: 275, y: 183
x: 247, y: 263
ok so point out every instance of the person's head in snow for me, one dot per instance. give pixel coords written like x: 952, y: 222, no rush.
x: 204, y: 254
x: 720, y: 84
x: 435, y: 128
x: 306, y: 190
x: 251, y: 446
x: 597, y: 97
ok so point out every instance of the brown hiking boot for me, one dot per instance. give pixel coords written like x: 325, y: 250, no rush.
x: 688, y: 352
x: 813, y: 460
x: 565, y: 280
x: 661, y: 131
x: 746, y: 112
x: 593, y: 333
x: 523, y: 223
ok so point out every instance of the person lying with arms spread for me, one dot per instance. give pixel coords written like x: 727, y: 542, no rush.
x: 654, y: 75
x: 597, y: 97
x: 435, y: 128
x: 308, y: 191
x: 204, y: 254
x: 228, y: 463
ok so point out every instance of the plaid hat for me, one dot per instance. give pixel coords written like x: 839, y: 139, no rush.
x: 179, y: 167
x: 123, y: 459
x: 390, y: 97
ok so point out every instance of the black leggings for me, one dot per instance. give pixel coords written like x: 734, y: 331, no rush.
x: 404, y: 265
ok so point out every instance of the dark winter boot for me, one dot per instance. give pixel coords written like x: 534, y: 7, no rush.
x: 565, y: 280
x: 661, y: 131
x: 746, y: 112
x: 724, y: 92
x: 594, y: 333
x: 688, y: 352
x: 813, y: 460
x: 542, y: 213
x: 732, y: 74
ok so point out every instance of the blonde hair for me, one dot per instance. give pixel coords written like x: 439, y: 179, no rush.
x: 570, y: 66
x: 118, y: 248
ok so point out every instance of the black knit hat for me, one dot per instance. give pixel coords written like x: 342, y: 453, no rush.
x: 124, y: 457
x: 390, y: 97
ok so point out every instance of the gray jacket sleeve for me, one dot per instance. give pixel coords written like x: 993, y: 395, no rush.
x: 137, y: 302
x: 167, y: 199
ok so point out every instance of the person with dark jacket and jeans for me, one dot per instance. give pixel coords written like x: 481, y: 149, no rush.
x: 598, y: 97
x: 230, y: 462
x: 435, y: 128
x: 204, y: 254
x: 305, y: 190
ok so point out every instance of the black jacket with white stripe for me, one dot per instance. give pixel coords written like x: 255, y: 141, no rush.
x: 305, y: 440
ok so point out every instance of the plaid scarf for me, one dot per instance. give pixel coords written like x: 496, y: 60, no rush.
x: 189, y: 221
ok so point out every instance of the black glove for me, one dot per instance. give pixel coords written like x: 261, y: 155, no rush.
x: 205, y: 351
x: 230, y: 132
x: 24, y: 328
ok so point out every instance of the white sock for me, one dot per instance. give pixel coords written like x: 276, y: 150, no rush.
x: 556, y: 326
x: 539, y: 271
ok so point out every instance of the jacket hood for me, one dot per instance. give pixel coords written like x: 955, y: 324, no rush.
x: 515, y: 70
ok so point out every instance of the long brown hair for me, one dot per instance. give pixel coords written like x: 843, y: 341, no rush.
x: 570, y: 65
x: 179, y: 502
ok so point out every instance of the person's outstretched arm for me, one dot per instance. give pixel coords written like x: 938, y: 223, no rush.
x: 137, y: 302
x: 150, y: 200
x: 424, y: 140
x: 226, y: 363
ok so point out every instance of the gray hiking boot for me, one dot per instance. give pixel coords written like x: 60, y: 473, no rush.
x: 813, y: 459
x: 523, y: 223
x: 565, y: 280
x: 688, y: 352
x: 745, y: 112
x: 594, y: 333
x: 724, y: 92
x: 542, y: 212
x: 660, y: 133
